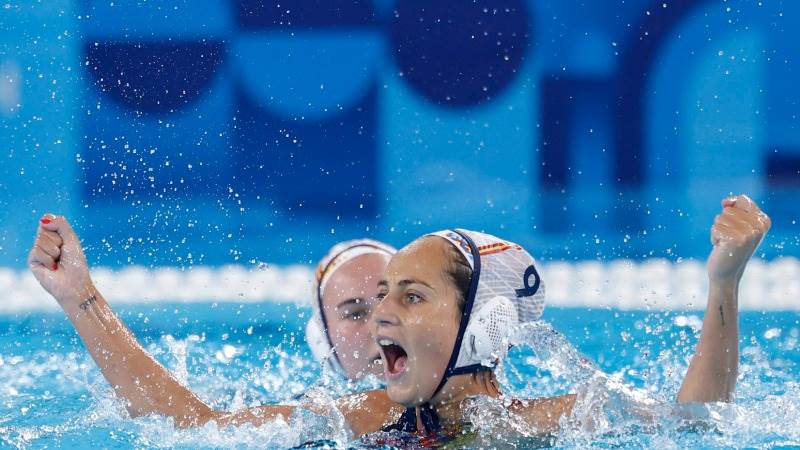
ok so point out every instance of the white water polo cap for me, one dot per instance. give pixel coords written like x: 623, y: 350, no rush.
x: 505, y: 291
x: 317, y: 335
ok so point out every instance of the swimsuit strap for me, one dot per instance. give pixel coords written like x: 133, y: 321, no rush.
x: 430, y: 419
x: 408, y: 420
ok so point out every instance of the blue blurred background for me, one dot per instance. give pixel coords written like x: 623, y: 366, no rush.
x: 213, y: 132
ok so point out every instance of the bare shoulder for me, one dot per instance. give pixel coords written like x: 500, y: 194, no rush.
x: 368, y: 412
x: 544, y: 413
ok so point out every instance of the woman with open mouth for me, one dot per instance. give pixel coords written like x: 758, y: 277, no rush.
x: 448, y: 302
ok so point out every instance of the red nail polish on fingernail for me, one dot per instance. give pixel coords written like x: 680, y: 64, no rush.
x: 45, y: 220
x: 55, y: 266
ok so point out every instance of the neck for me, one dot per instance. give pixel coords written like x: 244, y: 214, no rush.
x: 447, y: 402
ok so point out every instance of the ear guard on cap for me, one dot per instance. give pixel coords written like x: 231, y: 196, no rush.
x: 487, y: 334
x: 320, y: 346
x: 505, y: 291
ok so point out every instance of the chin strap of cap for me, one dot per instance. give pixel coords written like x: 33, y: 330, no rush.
x: 451, y: 369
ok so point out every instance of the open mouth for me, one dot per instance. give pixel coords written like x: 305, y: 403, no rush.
x: 394, y: 356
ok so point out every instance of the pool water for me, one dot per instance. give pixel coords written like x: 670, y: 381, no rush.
x: 235, y: 356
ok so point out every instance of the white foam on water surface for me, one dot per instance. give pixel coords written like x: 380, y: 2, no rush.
x: 654, y: 284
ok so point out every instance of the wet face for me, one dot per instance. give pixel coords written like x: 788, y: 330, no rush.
x: 348, y: 301
x: 417, y: 320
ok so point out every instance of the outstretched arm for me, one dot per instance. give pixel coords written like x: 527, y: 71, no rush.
x: 735, y: 235
x: 58, y: 263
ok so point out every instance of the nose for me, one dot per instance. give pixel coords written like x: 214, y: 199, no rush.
x: 384, y: 314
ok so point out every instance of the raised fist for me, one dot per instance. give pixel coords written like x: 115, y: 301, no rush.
x: 57, y: 261
x: 735, y: 235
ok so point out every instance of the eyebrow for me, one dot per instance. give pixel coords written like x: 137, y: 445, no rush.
x: 404, y: 283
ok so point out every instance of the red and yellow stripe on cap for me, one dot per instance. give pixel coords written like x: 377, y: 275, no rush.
x: 497, y: 247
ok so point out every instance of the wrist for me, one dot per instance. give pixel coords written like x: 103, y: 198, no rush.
x: 724, y: 281
x: 72, y: 298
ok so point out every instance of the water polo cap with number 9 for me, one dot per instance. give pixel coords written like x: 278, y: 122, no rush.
x: 505, y: 291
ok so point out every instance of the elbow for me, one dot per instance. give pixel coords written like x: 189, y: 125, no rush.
x: 187, y: 417
x: 185, y: 422
x: 197, y: 417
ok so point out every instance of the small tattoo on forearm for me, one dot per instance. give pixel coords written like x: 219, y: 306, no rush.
x: 86, y: 303
x: 721, y: 315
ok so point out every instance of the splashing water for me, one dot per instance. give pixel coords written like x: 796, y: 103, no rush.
x: 624, y: 368
x: 608, y: 410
